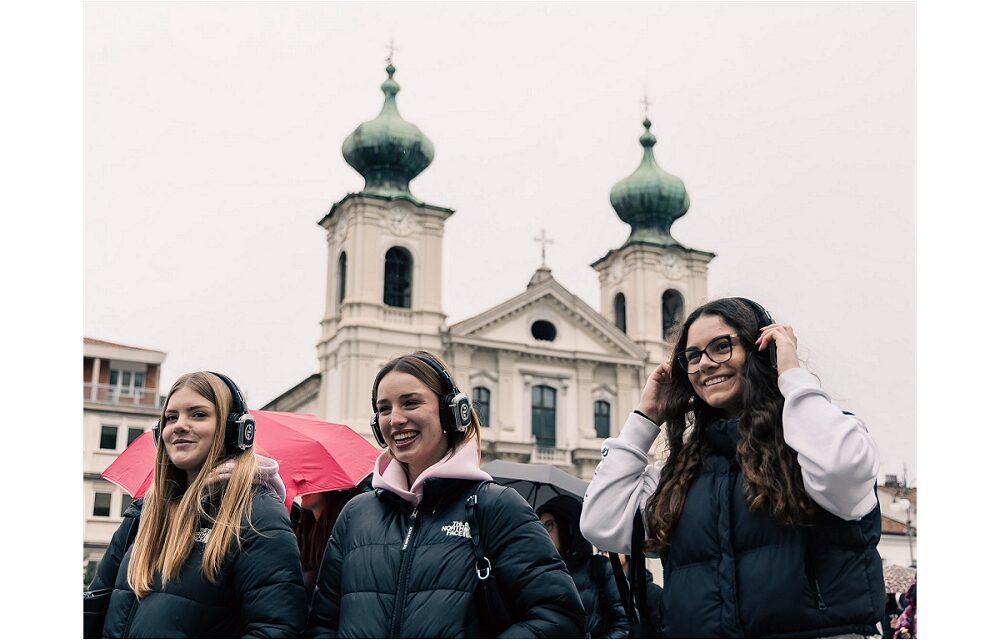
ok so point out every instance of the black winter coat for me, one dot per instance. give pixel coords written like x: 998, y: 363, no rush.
x: 605, y: 613
x: 392, y: 571
x: 654, y: 597
x: 259, y: 592
x: 592, y: 574
x: 735, y: 573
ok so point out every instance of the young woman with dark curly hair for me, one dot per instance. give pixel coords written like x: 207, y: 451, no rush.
x: 764, y: 513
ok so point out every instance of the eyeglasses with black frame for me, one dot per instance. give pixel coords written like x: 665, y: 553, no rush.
x: 718, y: 350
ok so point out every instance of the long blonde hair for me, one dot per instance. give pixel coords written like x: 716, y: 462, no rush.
x: 173, y: 510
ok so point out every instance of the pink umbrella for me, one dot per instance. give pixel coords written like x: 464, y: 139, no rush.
x: 313, y: 455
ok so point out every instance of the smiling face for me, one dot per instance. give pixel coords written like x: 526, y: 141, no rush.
x: 189, y: 430
x: 410, y: 421
x: 719, y: 385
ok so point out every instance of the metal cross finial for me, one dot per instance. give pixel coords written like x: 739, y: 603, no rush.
x: 645, y: 107
x: 392, y: 49
x: 544, y: 241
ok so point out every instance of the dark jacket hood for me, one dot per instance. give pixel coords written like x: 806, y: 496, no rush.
x: 566, y: 510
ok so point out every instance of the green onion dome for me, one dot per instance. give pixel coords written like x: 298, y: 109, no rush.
x: 388, y: 151
x: 650, y: 199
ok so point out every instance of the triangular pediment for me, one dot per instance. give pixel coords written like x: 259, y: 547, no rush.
x: 580, y: 329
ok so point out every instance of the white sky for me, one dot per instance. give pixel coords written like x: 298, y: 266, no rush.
x: 701, y: 72
x: 213, y: 146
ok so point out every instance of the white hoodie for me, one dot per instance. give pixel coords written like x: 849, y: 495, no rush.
x: 838, y: 457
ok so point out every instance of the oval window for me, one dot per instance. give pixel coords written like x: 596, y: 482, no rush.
x: 543, y: 330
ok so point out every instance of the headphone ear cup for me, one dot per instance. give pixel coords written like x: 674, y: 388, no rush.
x: 378, y: 432
x: 246, y: 431
x: 463, y: 411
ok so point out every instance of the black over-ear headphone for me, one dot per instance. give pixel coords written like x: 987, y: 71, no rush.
x: 455, y: 408
x: 763, y: 319
x: 240, y: 424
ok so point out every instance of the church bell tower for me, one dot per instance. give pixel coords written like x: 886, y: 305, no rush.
x: 383, y: 293
x: 651, y: 282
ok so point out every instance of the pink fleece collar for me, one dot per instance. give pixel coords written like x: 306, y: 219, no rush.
x: 462, y: 463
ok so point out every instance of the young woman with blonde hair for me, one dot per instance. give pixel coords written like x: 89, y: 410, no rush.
x: 401, y: 561
x: 215, y: 556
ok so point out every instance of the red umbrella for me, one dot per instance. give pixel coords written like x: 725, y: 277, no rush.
x: 313, y: 455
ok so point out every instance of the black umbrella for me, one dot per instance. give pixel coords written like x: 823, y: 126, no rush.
x: 537, y: 483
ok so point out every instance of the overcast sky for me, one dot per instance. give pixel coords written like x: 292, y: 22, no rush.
x: 213, y: 147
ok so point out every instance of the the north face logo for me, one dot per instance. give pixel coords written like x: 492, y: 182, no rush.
x: 457, y: 528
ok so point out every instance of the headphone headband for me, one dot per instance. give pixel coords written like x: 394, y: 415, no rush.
x: 763, y: 319
x: 449, y: 383
x: 239, y: 404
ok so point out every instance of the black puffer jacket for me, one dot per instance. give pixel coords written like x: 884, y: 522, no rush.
x: 259, y: 592
x: 591, y: 573
x: 392, y: 571
x: 734, y: 573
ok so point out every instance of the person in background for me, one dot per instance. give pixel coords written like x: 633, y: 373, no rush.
x: 214, y: 556
x: 764, y: 513
x: 313, y: 523
x: 401, y: 561
x: 906, y: 624
x: 591, y: 572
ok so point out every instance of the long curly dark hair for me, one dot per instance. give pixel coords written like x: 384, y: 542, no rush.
x: 771, y: 473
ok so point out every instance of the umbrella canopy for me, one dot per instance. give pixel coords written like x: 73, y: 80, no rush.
x: 897, y: 578
x: 537, y: 483
x: 313, y: 455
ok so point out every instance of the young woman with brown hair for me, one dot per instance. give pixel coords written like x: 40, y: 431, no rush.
x: 764, y: 513
x: 401, y: 561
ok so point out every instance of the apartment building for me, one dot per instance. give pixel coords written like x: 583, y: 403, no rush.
x: 121, y: 400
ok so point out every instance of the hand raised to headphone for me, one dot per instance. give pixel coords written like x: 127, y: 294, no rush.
x: 653, y: 400
x: 784, y: 340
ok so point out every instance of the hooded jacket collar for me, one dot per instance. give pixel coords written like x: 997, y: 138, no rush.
x: 266, y: 475
x: 461, y: 464
x: 723, y: 435
x: 566, y: 510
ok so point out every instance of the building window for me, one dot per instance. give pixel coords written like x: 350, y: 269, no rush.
x: 126, y: 503
x: 341, y: 277
x: 102, y: 504
x: 398, y: 277
x: 133, y: 433
x: 620, y: 311
x: 481, y: 401
x: 109, y: 437
x: 543, y: 330
x: 90, y: 572
x: 671, y: 307
x: 602, y: 418
x: 125, y: 382
x: 543, y: 415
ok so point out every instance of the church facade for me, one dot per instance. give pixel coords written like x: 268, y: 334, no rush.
x: 549, y: 375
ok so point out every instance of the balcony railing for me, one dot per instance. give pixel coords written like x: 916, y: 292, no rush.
x: 121, y: 397
x: 551, y: 455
